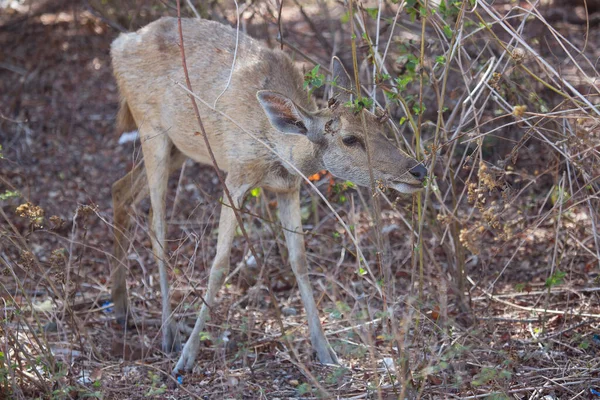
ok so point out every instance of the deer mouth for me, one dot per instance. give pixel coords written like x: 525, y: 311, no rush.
x: 405, y: 187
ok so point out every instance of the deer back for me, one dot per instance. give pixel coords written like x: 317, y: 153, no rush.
x: 147, y: 66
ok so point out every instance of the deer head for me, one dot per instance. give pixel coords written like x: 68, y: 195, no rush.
x: 341, y: 140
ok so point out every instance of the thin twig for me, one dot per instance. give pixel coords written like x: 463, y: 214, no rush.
x: 237, y: 41
x: 279, y: 23
x: 191, y: 5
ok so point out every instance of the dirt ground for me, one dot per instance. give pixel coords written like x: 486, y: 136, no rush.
x: 58, y: 102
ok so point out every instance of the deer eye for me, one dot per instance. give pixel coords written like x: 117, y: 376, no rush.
x: 350, y: 140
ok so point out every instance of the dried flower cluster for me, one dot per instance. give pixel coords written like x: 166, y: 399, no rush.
x: 27, y: 260
x: 57, y: 258
x: 518, y: 55
x: 57, y: 222
x: 34, y: 213
x: 85, y: 211
x: 471, y: 238
x: 477, y: 194
x: 495, y: 81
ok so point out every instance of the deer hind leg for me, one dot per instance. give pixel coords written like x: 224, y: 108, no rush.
x: 127, y: 192
x: 124, y: 193
x: 289, y: 211
x: 218, y: 271
x: 156, y: 147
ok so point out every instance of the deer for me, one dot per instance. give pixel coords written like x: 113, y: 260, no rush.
x: 262, y: 96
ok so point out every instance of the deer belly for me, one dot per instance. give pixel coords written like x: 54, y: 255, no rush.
x: 194, y: 147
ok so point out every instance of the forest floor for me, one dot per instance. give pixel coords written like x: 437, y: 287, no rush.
x: 523, y: 336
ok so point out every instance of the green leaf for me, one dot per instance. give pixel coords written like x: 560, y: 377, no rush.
x: 418, y: 110
x: 359, y: 104
x: 255, y: 192
x: 505, y: 374
x: 558, y: 193
x: 157, y: 391
x: 443, y: 8
x: 402, y: 82
x: 412, y: 63
x: 440, y: 60
x: 313, y: 80
x: 303, y: 389
x: 584, y: 345
x: 390, y: 95
x: 520, y: 287
x: 412, y: 13
x: 8, y: 194
x: 372, y: 12
x: 556, y: 279
x: 448, y: 31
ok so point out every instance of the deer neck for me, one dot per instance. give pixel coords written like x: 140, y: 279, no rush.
x: 301, y: 153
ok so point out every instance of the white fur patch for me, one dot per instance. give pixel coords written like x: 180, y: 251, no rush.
x: 127, y: 137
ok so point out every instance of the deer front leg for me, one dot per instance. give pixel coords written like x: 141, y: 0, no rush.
x: 156, y: 147
x: 218, y: 273
x: 289, y: 211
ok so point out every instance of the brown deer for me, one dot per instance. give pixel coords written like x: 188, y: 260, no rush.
x: 263, y: 98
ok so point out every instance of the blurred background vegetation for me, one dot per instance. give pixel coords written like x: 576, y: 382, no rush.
x: 484, y: 285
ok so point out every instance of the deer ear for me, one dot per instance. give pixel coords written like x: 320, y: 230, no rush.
x: 342, y: 88
x: 284, y: 115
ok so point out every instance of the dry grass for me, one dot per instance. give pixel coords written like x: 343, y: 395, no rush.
x: 484, y: 285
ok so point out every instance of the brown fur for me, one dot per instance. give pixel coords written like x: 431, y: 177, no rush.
x: 125, y: 121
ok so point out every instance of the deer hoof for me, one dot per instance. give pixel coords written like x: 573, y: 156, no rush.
x: 185, y: 364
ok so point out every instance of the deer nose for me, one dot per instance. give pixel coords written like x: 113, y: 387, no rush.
x: 419, y: 172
